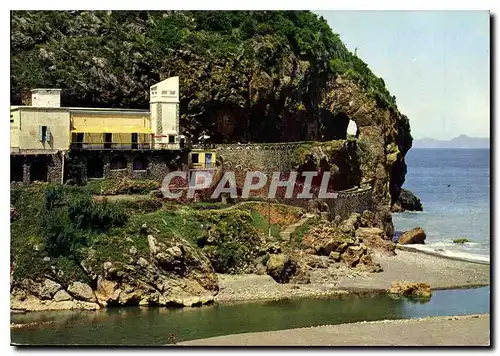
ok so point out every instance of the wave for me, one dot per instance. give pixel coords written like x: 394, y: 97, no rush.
x: 438, y: 248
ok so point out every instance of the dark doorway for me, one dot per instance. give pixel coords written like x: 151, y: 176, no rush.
x: 95, y: 167
x: 140, y: 164
x: 38, y: 169
x: 16, y: 168
x: 118, y: 162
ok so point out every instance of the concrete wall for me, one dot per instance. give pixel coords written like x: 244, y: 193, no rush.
x: 28, y: 131
x: 14, y: 128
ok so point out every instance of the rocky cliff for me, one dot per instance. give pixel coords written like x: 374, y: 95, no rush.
x: 255, y: 76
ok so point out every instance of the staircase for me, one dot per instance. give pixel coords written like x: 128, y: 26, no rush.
x: 288, y: 233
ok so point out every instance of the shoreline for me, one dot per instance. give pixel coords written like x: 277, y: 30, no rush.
x: 463, y: 330
x: 439, y: 272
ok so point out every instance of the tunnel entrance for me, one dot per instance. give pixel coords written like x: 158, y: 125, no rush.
x: 335, y: 126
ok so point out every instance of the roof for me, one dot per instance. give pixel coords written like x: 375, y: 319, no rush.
x: 86, y: 110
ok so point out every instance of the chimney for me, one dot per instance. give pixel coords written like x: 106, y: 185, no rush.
x: 46, y: 98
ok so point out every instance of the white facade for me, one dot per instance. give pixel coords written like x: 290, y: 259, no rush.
x: 164, y: 107
x: 46, y: 98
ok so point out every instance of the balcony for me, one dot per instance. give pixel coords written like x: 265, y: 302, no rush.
x: 202, y: 166
x: 110, y: 146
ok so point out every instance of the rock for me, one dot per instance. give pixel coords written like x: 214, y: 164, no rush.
x: 352, y: 255
x: 367, y: 219
x: 132, y: 250
x: 49, y: 288
x: 318, y: 261
x: 260, y: 269
x: 409, y: 201
x: 152, y: 245
x: 411, y: 289
x: 413, y: 236
x: 130, y: 295
x: 375, y: 239
x: 280, y: 267
x: 351, y: 224
x: 61, y: 296
x: 334, y: 256
x: 338, y: 243
x: 396, y: 208
x: 81, y: 291
x: 141, y: 261
x: 301, y: 276
x: 105, y: 291
x: 366, y: 263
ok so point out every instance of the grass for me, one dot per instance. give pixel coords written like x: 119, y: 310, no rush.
x: 461, y: 240
x: 303, y: 230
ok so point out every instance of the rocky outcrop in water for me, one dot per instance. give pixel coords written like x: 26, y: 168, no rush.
x: 407, y: 201
x: 172, y: 275
x: 409, y: 289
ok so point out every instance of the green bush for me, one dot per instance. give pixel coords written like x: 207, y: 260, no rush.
x: 460, y: 241
x: 100, y: 216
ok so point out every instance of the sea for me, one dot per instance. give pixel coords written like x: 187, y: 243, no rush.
x: 454, y: 188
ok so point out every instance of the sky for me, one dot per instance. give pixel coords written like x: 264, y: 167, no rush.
x: 436, y: 63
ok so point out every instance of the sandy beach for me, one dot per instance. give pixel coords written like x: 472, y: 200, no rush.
x: 438, y: 272
x: 469, y: 330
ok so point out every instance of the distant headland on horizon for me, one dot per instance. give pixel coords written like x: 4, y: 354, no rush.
x: 462, y: 141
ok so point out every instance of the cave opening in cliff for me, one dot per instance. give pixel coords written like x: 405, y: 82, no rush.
x: 335, y: 126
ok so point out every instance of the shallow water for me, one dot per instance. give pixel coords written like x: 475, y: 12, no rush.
x: 159, y: 326
x: 454, y: 188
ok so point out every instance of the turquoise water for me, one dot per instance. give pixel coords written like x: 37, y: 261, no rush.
x: 454, y: 187
x: 159, y: 326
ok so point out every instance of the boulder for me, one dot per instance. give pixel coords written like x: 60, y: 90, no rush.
x: 81, y: 291
x: 280, y: 267
x: 367, y: 219
x: 375, y: 239
x: 317, y: 261
x: 61, y: 296
x: 352, y: 255
x: 409, y: 201
x: 334, y: 256
x: 301, y: 276
x: 411, y: 289
x: 350, y: 225
x: 413, y: 236
x: 49, y: 288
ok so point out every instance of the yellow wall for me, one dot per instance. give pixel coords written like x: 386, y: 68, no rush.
x: 110, y: 122
x: 201, y: 159
x: 28, y: 134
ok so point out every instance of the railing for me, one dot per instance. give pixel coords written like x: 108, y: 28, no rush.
x: 110, y: 146
x: 205, y: 165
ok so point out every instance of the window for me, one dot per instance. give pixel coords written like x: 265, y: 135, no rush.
x: 140, y: 164
x: 77, y: 139
x: 43, y: 133
x: 195, y: 158
x: 118, y: 162
x: 134, y: 140
x: 171, y: 138
x: 108, y: 139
